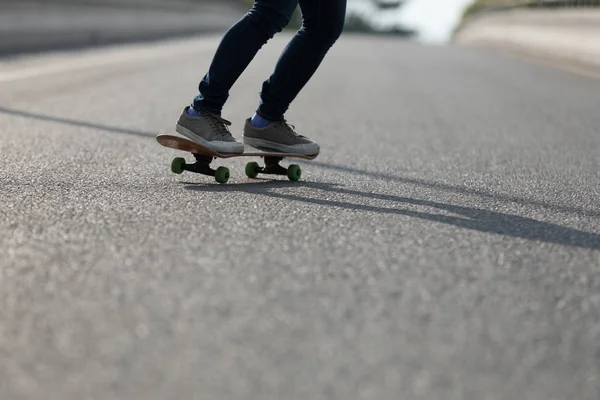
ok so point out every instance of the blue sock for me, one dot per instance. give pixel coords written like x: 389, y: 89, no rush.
x: 259, y: 122
x: 191, y: 111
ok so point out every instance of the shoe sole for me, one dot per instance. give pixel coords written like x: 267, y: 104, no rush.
x: 219, y: 147
x: 304, y: 149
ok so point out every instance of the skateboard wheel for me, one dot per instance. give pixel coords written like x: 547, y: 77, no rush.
x: 177, y: 165
x: 222, y: 175
x: 294, y: 172
x: 252, y: 169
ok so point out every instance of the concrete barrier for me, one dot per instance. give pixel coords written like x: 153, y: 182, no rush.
x: 567, y: 36
x: 28, y: 26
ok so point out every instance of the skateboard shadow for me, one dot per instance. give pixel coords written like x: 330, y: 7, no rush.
x: 476, y: 219
x: 466, y: 217
x: 340, y: 168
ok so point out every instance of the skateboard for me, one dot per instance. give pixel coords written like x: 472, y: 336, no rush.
x: 204, y: 156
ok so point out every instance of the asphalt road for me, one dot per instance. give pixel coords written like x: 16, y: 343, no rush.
x: 444, y: 245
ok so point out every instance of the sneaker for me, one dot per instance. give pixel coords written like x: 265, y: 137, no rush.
x: 279, y: 136
x: 209, y: 130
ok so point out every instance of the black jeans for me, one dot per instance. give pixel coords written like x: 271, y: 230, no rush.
x: 322, y: 24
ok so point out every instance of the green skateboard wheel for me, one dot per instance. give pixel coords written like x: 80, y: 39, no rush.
x: 222, y: 175
x: 252, y: 169
x: 294, y: 172
x: 177, y: 165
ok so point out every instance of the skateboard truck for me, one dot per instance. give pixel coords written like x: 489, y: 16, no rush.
x: 272, y: 167
x: 201, y: 166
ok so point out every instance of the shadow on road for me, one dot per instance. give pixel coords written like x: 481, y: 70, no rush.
x: 73, y: 122
x: 470, y: 218
x: 460, y: 190
x: 476, y: 219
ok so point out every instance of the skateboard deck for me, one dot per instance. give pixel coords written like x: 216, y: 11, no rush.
x: 204, y: 156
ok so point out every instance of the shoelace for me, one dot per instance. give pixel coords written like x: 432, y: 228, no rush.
x: 219, y: 125
x: 289, y: 128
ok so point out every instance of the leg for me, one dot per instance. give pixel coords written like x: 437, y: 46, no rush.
x: 237, y: 49
x: 323, y: 22
x: 202, y: 122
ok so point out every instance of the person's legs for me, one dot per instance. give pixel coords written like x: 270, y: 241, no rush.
x: 237, y: 49
x: 323, y: 22
x: 202, y: 121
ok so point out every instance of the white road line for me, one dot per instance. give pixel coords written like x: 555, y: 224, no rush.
x: 36, y: 66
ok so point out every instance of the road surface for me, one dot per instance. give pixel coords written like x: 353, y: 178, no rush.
x: 444, y: 245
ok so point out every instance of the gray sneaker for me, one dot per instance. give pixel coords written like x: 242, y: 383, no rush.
x: 279, y: 136
x: 209, y: 130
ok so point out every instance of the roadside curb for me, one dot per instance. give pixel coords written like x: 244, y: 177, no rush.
x: 36, y: 27
x: 565, y: 38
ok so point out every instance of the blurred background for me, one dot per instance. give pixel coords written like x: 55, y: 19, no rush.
x: 34, y: 25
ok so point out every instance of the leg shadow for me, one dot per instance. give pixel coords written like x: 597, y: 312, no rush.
x: 469, y: 218
x: 73, y: 122
x: 459, y: 190
x: 475, y: 219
